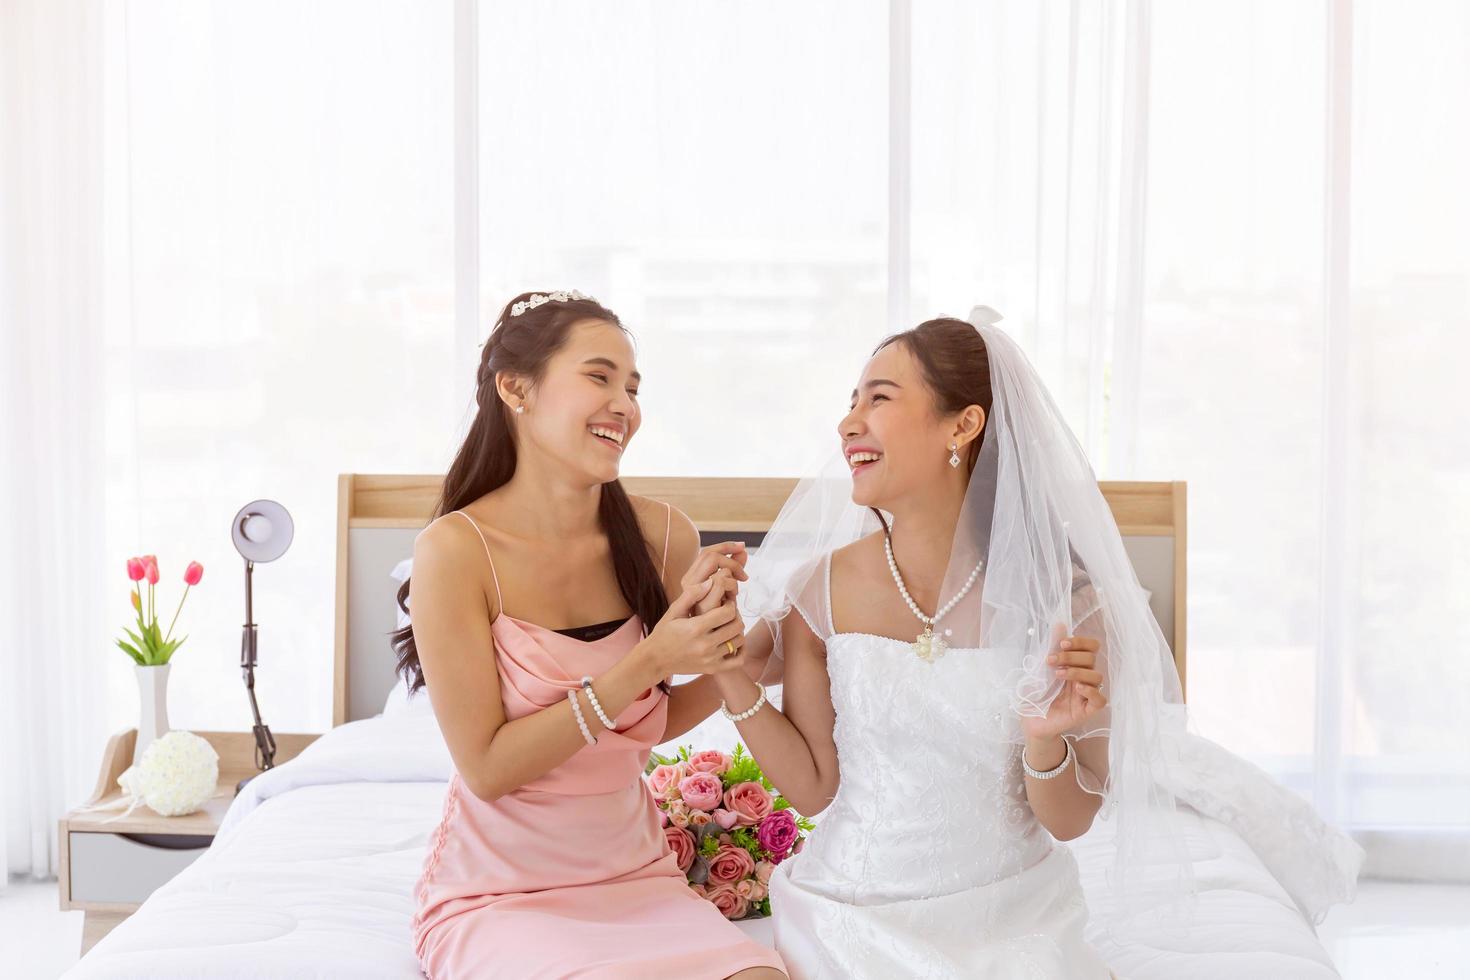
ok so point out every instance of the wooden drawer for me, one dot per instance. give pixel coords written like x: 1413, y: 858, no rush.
x: 124, y: 869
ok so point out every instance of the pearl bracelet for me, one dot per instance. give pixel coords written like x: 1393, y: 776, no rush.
x: 597, y: 705
x: 1061, y: 767
x: 748, y: 712
x: 581, y: 722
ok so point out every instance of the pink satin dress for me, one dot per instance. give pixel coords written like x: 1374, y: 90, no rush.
x: 569, y: 875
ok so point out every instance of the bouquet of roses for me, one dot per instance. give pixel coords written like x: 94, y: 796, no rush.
x: 726, y: 824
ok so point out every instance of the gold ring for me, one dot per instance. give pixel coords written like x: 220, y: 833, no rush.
x: 730, y: 645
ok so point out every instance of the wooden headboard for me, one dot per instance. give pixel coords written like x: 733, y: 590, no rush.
x: 378, y: 517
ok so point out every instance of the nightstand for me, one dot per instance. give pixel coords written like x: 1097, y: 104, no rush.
x: 108, y: 869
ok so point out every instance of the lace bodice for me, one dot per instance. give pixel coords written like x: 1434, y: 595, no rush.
x: 932, y: 800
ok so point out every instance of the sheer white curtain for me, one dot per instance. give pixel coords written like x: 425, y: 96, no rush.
x: 1234, y: 239
x: 51, y: 424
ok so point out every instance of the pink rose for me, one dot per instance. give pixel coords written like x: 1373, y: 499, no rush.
x: 750, y: 801
x: 732, y: 904
x: 678, y: 813
x: 681, y: 842
x: 750, y: 889
x: 701, y: 790
x: 777, y: 833
x: 763, y: 871
x: 663, y: 779
x: 711, y: 761
x: 730, y: 864
x: 726, y: 818
x: 699, y: 818
x: 663, y: 818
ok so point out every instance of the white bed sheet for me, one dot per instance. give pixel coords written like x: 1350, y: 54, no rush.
x: 312, y: 871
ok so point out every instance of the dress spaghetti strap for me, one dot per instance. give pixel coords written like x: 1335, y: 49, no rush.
x: 668, y: 523
x: 499, y: 605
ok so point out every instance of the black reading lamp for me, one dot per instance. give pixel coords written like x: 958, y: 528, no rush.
x: 262, y: 532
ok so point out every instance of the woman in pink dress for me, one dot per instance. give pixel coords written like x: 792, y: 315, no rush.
x: 549, y: 860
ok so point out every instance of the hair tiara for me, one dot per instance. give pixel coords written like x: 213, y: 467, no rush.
x: 539, y: 299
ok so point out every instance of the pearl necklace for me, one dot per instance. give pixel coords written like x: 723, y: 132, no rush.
x: 927, y: 646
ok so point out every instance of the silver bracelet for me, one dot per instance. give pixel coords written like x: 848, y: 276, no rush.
x: 748, y: 712
x: 581, y: 722
x: 1061, y: 767
x: 597, y: 705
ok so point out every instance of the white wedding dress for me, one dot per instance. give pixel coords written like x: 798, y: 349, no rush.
x: 929, y: 862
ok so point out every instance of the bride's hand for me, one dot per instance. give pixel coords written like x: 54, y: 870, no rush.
x: 727, y: 556
x: 722, y: 589
x: 1074, y: 658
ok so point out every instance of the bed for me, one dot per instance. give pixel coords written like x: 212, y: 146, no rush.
x: 311, y: 872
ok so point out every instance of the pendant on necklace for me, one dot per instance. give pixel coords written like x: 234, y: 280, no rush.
x: 928, y: 646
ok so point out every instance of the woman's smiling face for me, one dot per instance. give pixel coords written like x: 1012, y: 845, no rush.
x: 892, y: 437
x: 584, y: 412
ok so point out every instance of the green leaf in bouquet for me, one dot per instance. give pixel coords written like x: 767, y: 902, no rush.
x: 683, y: 753
x: 743, y: 769
x: 764, y: 905
x: 802, y: 823
x: 745, y: 838
x: 709, y: 845
x: 781, y: 803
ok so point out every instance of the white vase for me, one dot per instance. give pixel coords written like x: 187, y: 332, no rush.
x: 153, y: 705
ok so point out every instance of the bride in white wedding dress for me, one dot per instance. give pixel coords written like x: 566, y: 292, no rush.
x: 973, y: 675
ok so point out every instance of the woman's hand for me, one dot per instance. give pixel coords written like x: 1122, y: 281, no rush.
x: 1074, y: 658
x: 729, y: 556
x: 688, y: 641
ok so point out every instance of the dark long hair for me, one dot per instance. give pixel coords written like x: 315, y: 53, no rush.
x: 522, y: 345
x: 956, y: 366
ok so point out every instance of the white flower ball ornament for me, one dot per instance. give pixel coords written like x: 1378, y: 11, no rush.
x: 177, y: 774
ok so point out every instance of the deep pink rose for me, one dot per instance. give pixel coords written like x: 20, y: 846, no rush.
x: 710, y: 760
x: 732, y: 904
x: 750, y: 801
x: 665, y: 778
x: 731, y: 863
x: 681, y: 842
x: 777, y: 833
x: 701, y: 790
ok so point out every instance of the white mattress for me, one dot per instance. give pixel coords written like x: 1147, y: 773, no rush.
x: 312, y: 872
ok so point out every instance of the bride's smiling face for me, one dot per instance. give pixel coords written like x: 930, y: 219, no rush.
x: 895, y: 440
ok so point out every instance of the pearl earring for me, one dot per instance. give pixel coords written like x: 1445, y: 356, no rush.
x: 954, y: 457
x: 520, y: 409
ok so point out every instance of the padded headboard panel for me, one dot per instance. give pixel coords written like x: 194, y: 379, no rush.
x: 379, y: 516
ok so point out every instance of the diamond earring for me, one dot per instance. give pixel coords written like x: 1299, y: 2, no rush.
x: 954, y: 457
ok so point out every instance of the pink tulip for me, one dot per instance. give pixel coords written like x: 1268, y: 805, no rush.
x: 152, y: 570
x: 135, y: 569
x: 193, y: 573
